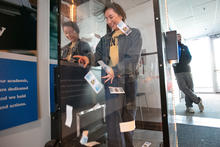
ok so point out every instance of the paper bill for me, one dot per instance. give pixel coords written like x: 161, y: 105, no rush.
x: 93, y: 82
x: 92, y: 143
x: 69, y: 110
x: 116, y: 90
x: 146, y: 144
x: 124, y: 28
x: 84, y: 138
x: 127, y: 126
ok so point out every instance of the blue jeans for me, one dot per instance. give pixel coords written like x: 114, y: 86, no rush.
x: 120, y: 108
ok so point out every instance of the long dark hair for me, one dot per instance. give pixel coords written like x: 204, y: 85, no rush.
x: 117, y: 8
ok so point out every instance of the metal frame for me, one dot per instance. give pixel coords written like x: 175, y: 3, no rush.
x: 166, y: 141
x: 96, y: 107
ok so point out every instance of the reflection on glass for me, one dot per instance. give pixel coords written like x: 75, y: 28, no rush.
x: 108, y: 116
x: 76, y: 45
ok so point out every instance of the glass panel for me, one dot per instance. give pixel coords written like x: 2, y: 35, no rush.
x: 105, y: 109
x: 140, y: 14
x: 188, y: 109
x: 82, y: 107
x: 171, y: 95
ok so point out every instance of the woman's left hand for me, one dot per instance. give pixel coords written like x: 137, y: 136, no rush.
x: 110, y: 76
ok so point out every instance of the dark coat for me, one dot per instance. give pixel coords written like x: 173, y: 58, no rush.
x: 185, y: 59
x: 129, y: 52
x: 81, y: 48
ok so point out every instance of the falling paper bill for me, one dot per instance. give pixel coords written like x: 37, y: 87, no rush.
x: 84, y: 139
x: 127, y: 126
x: 124, y: 28
x: 69, y: 118
x: 116, y: 90
x: 93, y: 82
x: 146, y: 144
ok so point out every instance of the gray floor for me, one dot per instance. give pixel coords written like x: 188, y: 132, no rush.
x: 197, y: 136
x: 199, y: 129
x: 193, y: 130
x: 211, y: 103
x: 141, y: 136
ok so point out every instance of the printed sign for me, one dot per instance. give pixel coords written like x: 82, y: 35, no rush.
x: 18, y: 92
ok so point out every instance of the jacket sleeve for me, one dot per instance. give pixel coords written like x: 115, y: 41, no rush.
x: 99, y: 53
x: 86, y: 51
x: 187, y: 59
x: 131, y: 58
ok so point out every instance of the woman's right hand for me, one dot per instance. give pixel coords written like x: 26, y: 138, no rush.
x: 110, y: 76
x: 82, y: 60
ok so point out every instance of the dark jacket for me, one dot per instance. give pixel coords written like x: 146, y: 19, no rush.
x: 81, y: 48
x: 185, y: 59
x: 129, y: 52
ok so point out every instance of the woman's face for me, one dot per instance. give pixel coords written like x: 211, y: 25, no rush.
x: 70, y: 33
x: 112, y: 18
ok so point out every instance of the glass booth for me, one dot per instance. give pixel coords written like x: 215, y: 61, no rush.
x: 95, y: 106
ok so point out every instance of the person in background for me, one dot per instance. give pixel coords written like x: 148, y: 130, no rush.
x: 76, y: 46
x: 121, y: 52
x: 183, y: 75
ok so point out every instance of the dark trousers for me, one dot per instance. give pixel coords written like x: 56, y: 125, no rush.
x: 120, y: 108
x: 185, y: 83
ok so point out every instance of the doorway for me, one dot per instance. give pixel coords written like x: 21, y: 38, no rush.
x: 216, y: 73
x: 192, y: 21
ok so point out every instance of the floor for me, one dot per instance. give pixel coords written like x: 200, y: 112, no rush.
x: 211, y: 103
x: 142, y: 136
x: 193, y: 130
x: 151, y: 122
x: 197, y: 136
x: 199, y: 129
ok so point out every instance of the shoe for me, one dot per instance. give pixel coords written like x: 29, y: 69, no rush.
x: 190, y: 110
x: 201, y: 106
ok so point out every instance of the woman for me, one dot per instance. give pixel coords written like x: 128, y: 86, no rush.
x: 76, y: 46
x: 121, y: 52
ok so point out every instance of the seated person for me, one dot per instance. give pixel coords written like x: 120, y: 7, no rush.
x: 76, y: 46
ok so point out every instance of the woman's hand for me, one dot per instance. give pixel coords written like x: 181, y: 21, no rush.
x: 82, y: 60
x: 110, y: 76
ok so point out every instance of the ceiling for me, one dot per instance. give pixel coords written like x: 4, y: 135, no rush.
x: 191, y: 18
x: 194, y: 18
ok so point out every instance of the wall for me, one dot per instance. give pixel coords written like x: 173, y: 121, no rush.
x: 37, y: 133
